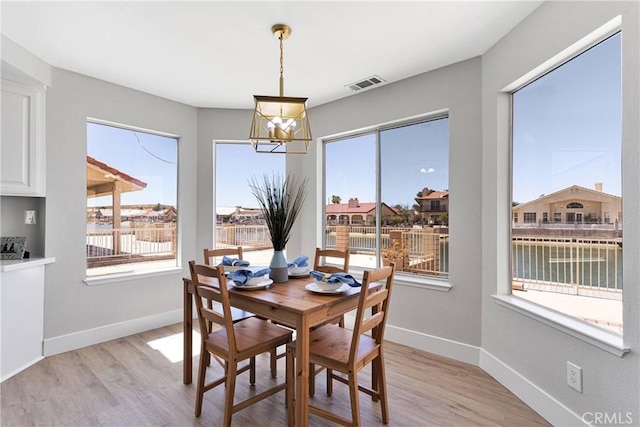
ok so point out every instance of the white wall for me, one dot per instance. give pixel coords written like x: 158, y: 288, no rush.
x: 73, y: 309
x: 534, y: 350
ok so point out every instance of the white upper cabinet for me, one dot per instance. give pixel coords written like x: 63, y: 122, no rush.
x: 22, y: 147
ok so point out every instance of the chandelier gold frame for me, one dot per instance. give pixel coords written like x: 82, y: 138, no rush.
x: 280, y: 123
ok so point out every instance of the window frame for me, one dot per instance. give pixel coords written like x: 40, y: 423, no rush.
x: 605, y: 340
x: 413, y: 280
x: 136, y: 274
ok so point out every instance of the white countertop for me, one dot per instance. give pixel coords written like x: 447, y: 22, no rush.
x: 18, y: 264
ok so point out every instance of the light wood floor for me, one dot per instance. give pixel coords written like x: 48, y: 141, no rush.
x: 126, y: 382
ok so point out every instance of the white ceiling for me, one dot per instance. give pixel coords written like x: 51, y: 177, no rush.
x: 221, y: 53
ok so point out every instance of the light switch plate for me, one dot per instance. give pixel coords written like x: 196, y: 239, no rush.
x: 30, y: 217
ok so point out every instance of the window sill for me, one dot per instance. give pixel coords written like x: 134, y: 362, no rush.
x: 415, y: 281
x: 123, y: 277
x: 605, y: 340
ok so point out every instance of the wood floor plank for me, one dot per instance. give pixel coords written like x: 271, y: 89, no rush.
x: 126, y: 382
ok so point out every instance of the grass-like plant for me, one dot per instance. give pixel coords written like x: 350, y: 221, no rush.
x: 280, y: 202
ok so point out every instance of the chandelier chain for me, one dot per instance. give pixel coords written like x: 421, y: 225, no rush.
x: 281, y: 57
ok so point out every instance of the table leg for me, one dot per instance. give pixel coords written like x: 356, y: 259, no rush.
x: 302, y: 372
x: 187, y: 334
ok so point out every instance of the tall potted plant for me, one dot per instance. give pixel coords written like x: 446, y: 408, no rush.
x: 280, y: 201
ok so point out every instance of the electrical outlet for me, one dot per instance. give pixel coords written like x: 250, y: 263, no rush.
x: 574, y: 376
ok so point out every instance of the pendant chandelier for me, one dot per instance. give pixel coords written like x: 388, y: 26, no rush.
x: 280, y: 123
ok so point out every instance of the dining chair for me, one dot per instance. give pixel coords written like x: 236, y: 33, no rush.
x: 233, y: 343
x: 209, y: 254
x: 348, y: 352
x: 236, y: 313
x: 220, y: 252
x: 319, y: 265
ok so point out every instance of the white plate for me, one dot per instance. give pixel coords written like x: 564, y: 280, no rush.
x: 231, y: 268
x: 303, y: 274
x: 261, y: 285
x: 318, y: 290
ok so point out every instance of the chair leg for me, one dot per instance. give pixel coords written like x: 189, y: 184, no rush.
x: 290, y: 390
x: 229, y: 392
x: 355, y: 402
x: 252, y: 370
x: 202, y: 370
x: 382, y: 387
x: 312, y: 379
x: 375, y: 379
x: 274, y: 363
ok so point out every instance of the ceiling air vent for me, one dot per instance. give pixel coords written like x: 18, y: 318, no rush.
x: 365, y: 83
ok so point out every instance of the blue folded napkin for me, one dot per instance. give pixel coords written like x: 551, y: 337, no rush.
x: 234, y: 262
x: 241, y: 276
x: 335, y: 278
x: 301, y: 261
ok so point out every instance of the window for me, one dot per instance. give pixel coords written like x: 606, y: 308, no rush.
x: 545, y: 217
x: 567, y: 161
x: 389, y: 191
x: 238, y: 220
x: 529, y: 217
x: 131, y: 200
x: 515, y: 217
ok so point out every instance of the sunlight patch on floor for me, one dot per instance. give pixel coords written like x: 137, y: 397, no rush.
x: 171, y: 346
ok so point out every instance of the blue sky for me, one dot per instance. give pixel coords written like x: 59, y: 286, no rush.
x: 567, y: 126
x: 236, y: 165
x: 413, y: 157
x: 566, y: 131
x: 120, y: 149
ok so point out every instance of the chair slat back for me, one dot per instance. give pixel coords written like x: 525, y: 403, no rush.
x: 210, y: 286
x: 378, y: 298
x: 331, y: 253
x: 212, y: 253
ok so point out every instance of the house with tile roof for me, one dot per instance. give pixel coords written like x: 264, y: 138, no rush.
x: 432, y: 204
x: 356, y: 213
x: 571, y: 205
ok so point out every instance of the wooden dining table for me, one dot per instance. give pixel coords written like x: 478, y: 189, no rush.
x: 288, y: 303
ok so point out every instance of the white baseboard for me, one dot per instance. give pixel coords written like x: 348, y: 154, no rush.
x: 22, y: 368
x: 88, y: 337
x: 437, y: 345
x: 544, y: 404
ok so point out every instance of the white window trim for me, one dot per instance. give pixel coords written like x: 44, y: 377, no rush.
x: 135, y: 275
x: 124, y: 277
x: 603, y: 339
x: 422, y: 282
